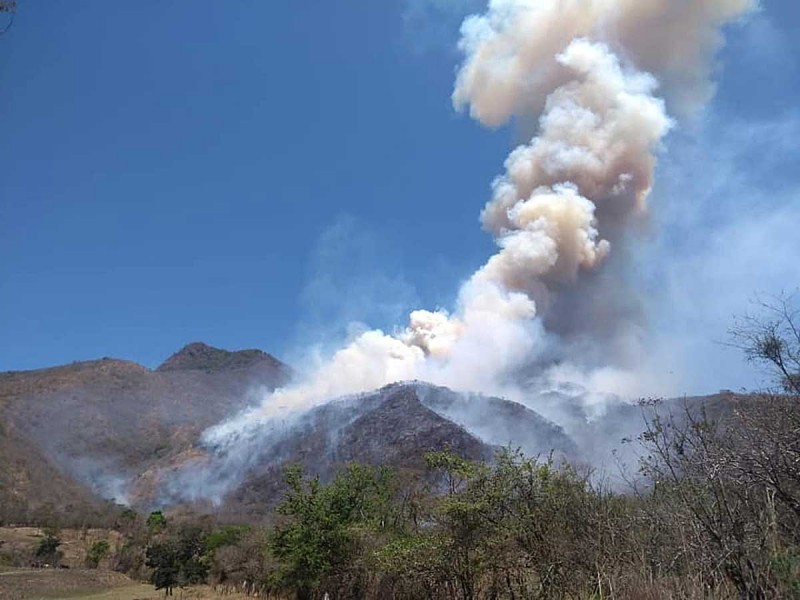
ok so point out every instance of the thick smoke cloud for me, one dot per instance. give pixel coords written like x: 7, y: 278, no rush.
x: 512, y: 50
x: 598, y: 76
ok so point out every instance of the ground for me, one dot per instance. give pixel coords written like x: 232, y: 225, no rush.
x: 76, y: 582
x: 18, y: 584
x: 94, y: 584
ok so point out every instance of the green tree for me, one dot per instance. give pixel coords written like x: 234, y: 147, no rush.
x: 225, y: 536
x: 193, y: 559
x: 156, y: 522
x: 47, y: 550
x: 97, y: 552
x: 323, y: 522
x: 164, y: 560
x: 178, y: 560
x: 519, y: 528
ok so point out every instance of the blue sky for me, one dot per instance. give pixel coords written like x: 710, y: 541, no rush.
x: 257, y: 174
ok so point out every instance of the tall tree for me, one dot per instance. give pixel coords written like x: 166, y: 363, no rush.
x: 318, y: 534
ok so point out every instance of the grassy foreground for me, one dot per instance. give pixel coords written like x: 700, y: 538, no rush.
x: 56, y: 584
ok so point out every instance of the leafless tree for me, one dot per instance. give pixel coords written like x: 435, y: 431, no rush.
x: 772, y: 337
x: 699, y: 469
x: 9, y: 7
x: 734, y: 476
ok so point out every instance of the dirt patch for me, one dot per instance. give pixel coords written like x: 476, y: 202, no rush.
x: 29, y: 584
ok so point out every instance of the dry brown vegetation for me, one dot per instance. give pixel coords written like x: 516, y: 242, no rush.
x: 73, y: 433
x: 20, y: 542
x: 19, y: 584
x: 58, y: 584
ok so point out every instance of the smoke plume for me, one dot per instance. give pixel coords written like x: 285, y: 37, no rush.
x: 599, y: 78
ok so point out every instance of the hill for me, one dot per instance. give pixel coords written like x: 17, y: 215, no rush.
x: 74, y: 436
x: 394, y: 426
x: 90, y: 427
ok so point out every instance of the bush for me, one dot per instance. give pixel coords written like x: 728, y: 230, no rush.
x: 156, y: 522
x: 96, y: 553
x: 178, y: 560
x: 320, y: 535
x: 47, y: 552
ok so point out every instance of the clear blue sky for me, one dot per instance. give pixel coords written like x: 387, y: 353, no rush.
x: 236, y: 172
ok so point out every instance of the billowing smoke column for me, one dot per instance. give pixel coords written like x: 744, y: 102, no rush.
x: 589, y: 71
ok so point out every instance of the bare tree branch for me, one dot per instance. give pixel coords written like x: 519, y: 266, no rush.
x: 9, y: 7
x: 772, y: 338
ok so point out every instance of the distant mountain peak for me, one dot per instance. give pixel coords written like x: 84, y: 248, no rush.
x: 199, y: 356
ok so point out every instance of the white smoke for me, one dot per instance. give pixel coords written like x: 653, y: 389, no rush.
x: 589, y: 71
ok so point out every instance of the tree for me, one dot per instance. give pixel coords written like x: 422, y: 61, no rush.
x: 225, y: 536
x: 238, y: 556
x: 178, y: 560
x: 734, y: 479
x: 127, y: 522
x: 693, y: 464
x: 322, y: 523
x: 97, y: 552
x: 163, y: 559
x: 193, y: 558
x: 47, y: 551
x: 156, y: 522
x: 772, y: 338
x: 520, y: 528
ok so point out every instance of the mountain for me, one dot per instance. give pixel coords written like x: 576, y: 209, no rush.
x: 73, y: 435
x: 390, y: 427
x: 198, y: 356
x: 394, y: 426
x: 99, y: 423
x: 499, y: 422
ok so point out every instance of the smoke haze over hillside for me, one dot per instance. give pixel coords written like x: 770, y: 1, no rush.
x: 531, y: 214
x: 599, y: 78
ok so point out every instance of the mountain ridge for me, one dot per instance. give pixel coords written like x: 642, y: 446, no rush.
x: 97, y: 422
x: 201, y: 356
x: 114, y: 429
